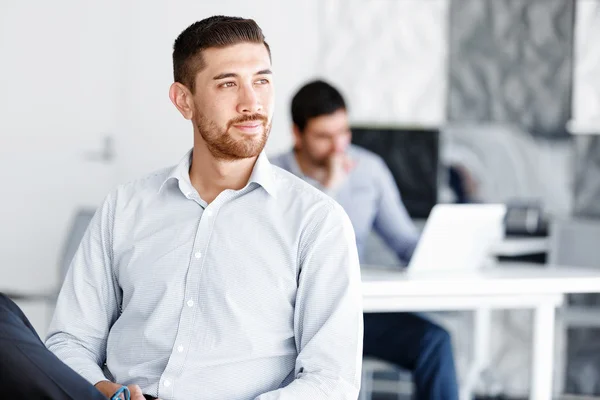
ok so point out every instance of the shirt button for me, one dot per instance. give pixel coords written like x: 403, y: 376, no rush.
x: 198, y: 254
x: 190, y: 303
x: 180, y: 349
x: 208, y: 213
x: 167, y: 383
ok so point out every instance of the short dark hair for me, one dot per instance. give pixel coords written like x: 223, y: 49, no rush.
x: 314, y: 99
x: 217, y: 31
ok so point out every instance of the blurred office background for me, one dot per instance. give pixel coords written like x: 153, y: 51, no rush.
x: 506, y: 93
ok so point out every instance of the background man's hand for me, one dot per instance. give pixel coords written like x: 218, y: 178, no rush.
x: 338, y: 167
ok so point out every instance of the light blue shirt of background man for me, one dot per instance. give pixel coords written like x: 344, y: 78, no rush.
x: 371, y: 199
x: 361, y: 182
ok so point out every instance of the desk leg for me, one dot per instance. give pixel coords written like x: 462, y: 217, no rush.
x: 543, y: 352
x: 482, y: 321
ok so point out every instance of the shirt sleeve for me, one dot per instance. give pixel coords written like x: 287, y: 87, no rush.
x: 392, y: 221
x: 88, y: 302
x: 328, y: 320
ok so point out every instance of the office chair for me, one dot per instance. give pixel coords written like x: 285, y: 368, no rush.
x: 79, y: 224
x: 397, y: 381
x: 574, y: 243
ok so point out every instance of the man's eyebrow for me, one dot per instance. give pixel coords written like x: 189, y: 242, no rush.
x: 225, y: 75
x: 234, y: 75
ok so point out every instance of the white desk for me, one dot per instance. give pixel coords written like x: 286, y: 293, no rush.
x: 510, y: 286
x: 513, y: 246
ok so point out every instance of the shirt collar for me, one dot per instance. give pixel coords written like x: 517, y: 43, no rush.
x: 262, y: 173
x: 180, y: 172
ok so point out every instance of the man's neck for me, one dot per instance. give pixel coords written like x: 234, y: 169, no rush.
x: 210, y: 176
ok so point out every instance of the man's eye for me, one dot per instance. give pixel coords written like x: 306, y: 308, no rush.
x: 227, y: 84
x: 262, y: 81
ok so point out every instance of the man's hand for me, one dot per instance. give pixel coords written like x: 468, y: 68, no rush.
x: 338, y: 167
x: 108, y: 388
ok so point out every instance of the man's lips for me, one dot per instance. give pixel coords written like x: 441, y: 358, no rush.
x: 249, y: 126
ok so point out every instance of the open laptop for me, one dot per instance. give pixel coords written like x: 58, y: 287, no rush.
x: 458, y: 237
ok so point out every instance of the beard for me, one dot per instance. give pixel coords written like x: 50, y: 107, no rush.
x: 319, y: 161
x: 224, y: 146
x: 316, y: 161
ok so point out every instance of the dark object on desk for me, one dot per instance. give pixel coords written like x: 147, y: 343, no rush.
x: 525, y: 219
x: 412, y: 154
x: 540, y: 258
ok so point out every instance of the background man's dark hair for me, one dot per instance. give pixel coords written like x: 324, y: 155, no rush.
x: 314, y: 99
x: 218, y: 31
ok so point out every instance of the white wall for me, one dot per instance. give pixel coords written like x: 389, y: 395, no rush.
x: 58, y: 97
x: 389, y: 58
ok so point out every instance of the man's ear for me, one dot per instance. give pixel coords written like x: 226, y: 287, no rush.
x: 182, y: 98
x: 297, y: 137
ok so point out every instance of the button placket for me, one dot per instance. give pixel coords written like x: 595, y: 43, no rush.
x: 165, y: 388
x: 191, y: 293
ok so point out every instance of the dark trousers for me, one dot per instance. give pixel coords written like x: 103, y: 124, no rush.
x: 30, y: 371
x: 415, y: 344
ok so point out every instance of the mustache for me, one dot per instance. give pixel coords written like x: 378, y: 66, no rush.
x: 248, y: 118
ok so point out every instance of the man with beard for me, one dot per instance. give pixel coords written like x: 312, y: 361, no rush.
x: 363, y: 185
x: 223, y: 277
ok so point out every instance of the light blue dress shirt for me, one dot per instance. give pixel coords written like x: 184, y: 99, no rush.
x: 254, y: 296
x: 371, y: 198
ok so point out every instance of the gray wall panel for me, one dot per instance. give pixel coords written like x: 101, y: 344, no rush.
x: 511, y: 61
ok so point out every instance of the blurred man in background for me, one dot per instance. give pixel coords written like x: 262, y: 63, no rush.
x: 361, y: 182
